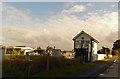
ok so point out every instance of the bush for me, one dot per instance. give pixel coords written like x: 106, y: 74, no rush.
x: 115, y: 52
x: 19, y: 66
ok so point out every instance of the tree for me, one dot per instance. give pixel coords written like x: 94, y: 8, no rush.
x: 39, y: 48
x: 115, y: 52
x: 49, y: 49
x: 105, y: 50
x: 116, y: 45
x: 14, y: 51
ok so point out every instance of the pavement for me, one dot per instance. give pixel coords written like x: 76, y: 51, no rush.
x: 113, y: 72
x: 92, y: 73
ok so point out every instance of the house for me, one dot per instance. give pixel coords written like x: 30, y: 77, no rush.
x: 8, y: 49
x: 85, y: 46
x: 23, y: 49
x: 68, y: 54
x: 101, y: 55
x: 39, y: 51
x: 104, y: 53
x: 57, y: 52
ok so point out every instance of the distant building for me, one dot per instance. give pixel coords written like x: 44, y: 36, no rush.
x: 23, y: 49
x: 85, y: 46
x: 104, y: 53
x: 8, y: 49
x: 39, y: 52
x: 68, y: 54
x: 57, y: 52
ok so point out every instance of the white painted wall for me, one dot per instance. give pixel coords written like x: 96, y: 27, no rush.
x: 101, y: 56
x: 78, y: 41
x: 69, y: 55
x: 95, y: 48
x: 110, y: 56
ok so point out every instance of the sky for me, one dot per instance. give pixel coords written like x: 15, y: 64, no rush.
x: 59, y: 0
x: 56, y: 23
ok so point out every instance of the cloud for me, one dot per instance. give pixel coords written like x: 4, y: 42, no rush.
x: 60, y: 29
x: 114, y: 35
x: 75, y: 9
x: 90, y: 5
x: 11, y: 14
x: 113, y: 5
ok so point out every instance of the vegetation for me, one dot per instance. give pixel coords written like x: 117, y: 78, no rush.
x: 116, y: 48
x: 115, y: 52
x: 18, y: 66
x: 116, y: 45
x: 106, y: 51
x: 40, y: 51
x: 49, y: 49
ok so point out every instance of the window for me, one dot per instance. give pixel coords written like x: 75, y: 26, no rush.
x: 82, y: 37
x: 86, y: 45
x: 87, y: 41
x: 78, y: 42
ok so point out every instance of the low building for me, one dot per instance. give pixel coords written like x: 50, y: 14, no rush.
x: 104, y: 53
x: 68, y: 54
x: 57, y: 52
x: 8, y: 50
x: 23, y: 49
x: 40, y: 52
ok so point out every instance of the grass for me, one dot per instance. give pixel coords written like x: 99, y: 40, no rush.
x: 76, y: 68
x: 18, y: 66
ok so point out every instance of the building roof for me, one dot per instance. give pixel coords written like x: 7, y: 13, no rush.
x: 23, y: 47
x: 20, y: 46
x: 68, y: 51
x: 83, y: 32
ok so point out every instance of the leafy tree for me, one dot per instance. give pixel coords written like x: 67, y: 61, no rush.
x: 39, y: 48
x: 49, y: 48
x: 116, y: 45
x: 9, y: 51
x: 14, y: 51
x: 115, y: 52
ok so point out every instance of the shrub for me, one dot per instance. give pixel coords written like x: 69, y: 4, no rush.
x: 19, y: 66
x: 115, y: 52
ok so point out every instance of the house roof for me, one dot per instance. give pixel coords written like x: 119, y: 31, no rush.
x: 68, y: 52
x: 83, y: 32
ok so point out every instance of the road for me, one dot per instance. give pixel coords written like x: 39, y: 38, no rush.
x: 92, y: 73
x: 112, y: 72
